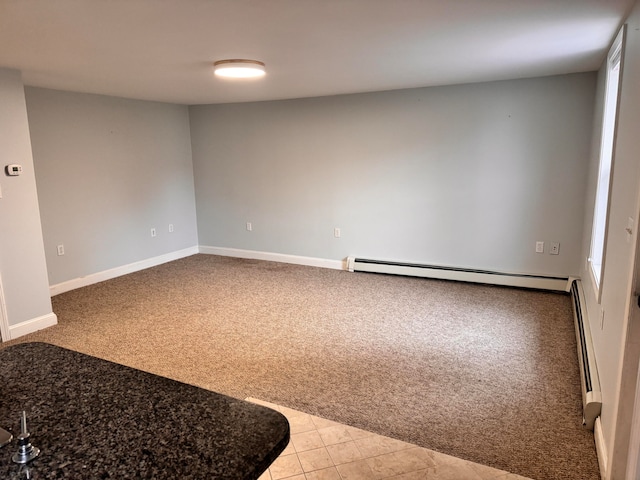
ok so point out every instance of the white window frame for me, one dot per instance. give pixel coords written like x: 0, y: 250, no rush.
x: 600, y: 227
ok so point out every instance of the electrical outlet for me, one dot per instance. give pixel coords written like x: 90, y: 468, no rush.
x: 539, y: 247
x: 249, y: 227
x: 171, y: 228
x: 555, y: 248
x: 60, y: 250
x: 336, y: 232
x: 153, y: 232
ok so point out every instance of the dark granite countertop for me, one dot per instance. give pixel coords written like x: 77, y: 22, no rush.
x: 96, y: 419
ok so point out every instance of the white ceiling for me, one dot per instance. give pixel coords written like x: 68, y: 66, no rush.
x: 163, y: 49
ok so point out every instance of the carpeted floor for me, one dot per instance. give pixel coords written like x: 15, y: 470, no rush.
x: 484, y: 373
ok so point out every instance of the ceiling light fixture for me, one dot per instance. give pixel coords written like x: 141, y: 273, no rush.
x: 239, y: 68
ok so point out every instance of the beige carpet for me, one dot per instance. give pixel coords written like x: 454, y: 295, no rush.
x: 484, y: 373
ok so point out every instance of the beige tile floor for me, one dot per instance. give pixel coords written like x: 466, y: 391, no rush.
x: 324, y: 450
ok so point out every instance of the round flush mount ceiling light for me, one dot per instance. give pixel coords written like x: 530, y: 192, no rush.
x: 239, y: 68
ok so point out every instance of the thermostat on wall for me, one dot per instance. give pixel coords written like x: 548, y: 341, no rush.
x: 14, y: 170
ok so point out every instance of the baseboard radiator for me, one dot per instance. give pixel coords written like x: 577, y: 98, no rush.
x: 355, y: 264
x: 591, y: 396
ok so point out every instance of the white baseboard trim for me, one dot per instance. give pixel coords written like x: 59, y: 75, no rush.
x: 32, y: 325
x: 601, y: 449
x: 274, y: 257
x: 119, y: 271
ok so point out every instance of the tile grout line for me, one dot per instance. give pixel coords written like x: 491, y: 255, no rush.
x: 384, y: 456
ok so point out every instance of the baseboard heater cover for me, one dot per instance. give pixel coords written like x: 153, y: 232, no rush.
x: 355, y: 264
x: 591, y: 395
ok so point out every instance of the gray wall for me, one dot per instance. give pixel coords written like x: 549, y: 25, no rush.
x: 108, y: 170
x: 22, y: 261
x: 467, y: 175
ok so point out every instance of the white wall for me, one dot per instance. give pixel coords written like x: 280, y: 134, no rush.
x: 616, y: 354
x: 108, y: 170
x: 22, y: 260
x: 468, y: 176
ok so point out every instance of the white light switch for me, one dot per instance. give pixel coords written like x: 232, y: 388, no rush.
x: 539, y: 247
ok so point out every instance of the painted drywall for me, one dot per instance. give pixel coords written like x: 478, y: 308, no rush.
x: 22, y: 259
x: 614, y: 355
x: 108, y: 170
x: 467, y: 176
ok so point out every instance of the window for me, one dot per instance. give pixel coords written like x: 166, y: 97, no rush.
x: 601, y: 208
